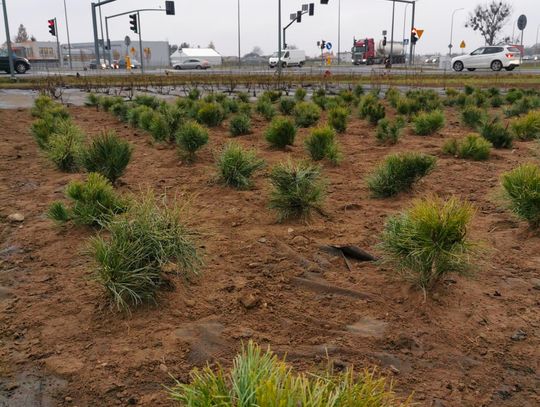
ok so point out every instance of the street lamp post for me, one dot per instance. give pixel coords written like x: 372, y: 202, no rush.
x: 279, y: 38
x: 452, y: 31
x: 8, y: 41
x: 69, y: 42
x: 339, y: 34
x: 405, y: 23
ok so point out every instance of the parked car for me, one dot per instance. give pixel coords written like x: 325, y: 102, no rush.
x: 102, y: 64
x: 292, y: 57
x: 494, y: 58
x: 20, y: 65
x: 191, y: 63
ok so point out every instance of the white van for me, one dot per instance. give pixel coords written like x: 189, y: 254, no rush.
x: 290, y: 57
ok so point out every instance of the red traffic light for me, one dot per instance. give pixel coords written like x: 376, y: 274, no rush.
x: 52, y: 27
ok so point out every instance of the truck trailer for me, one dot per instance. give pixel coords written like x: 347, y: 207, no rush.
x: 366, y: 51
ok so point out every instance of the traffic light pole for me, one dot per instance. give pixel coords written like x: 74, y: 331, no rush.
x: 287, y: 26
x: 94, y: 24
x: 8, y: 41
x: 58, y: 44
x: 140, y: 42
x: 411, y: 55
x: 279, y: 40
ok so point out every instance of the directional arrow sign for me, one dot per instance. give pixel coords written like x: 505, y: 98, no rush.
x: 328, y: 46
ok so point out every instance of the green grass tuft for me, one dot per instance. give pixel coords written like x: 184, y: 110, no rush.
x: 496, y: 133
x: 428, y: 123
x: 240, y: 125
x: 389, y: 132
x: 322, y: 144
x: 191, y: 137
x: 337, y: 118
x: 527, y: 127
x: 306, y: 114
x: 281, y: 132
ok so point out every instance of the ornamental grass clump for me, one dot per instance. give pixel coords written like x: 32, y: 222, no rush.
x: 300, y: 94
x: 237, y: 165
x: 92, y: 202
x: 471, y: 147
x: 147, y: 100
x: 43, y: 128
x: 522, y: 106
x: 259, y: 378
x: 337, y: 118
x: 321, y: 144
x: 240, y: 125
x: 142, y: 250
x: 430, y: 240
x: 306, y: 114
x: 298, y: 190
x: 496, y: 133
x: 399, y: 172
x: 389, y: 132
x: 428, y: 123
x: 190, y: 138
x: 281, y: 132
x: 521, y: 190
x: 371, y: 108
x: 107, y: 155
x: 527, y: 127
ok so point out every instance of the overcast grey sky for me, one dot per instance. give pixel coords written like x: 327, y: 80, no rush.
x: 200, y: 21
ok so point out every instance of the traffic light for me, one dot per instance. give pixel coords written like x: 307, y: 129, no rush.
x: 52, y: 27
x: 311, y: 9
x: 414, y: 37
x: 169, y: 8
x: 384, y: 42
x: 299, y: 16
x: 323, y: 44
x: 324, y: 1
x: 134, y: 24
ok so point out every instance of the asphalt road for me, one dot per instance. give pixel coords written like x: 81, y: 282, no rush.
x: 343, y: 69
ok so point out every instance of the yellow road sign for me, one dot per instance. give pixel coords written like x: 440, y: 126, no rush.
x: 462, y: 45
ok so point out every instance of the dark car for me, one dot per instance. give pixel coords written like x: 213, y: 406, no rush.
x: 21, y: 65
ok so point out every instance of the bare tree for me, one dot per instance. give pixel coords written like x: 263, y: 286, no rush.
x: 257, y: 50
x: 184, y: 45
x: 22, y: 34
x: 172, y: 48
x: 211, y: 45
x: 489, y: 19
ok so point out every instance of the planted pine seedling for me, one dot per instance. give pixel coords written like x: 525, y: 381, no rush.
x: 298, y: 190
x: 337, y: 118
x: 240, y: 125
x: 287, y: 105
x: 191, y: 137
x: 210, y: 114
x: 472, y: 147
x: 237, y: 165
x: 496, y: 133
x: 306, y: 114
x: 399, y: 172
x: 472, y: 116
x: 92, y: 202
x: 527, y: 127
x: 265, y: 108
x: 322, y: 144
x: 428, y: 123
x: 429, y: 240
x: 521, y: 189
x: 65, y: 146
x: 281, y: 132
x: 389, y: 132
x: 107, y: 155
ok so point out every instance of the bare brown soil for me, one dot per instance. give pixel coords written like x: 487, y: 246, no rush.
x: 60, y: 343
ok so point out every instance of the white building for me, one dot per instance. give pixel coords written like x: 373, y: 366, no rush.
x: 206, y: 54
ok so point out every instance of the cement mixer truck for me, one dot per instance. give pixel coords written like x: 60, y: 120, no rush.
x: 366, y: 51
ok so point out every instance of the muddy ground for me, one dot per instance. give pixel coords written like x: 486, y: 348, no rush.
x: 61, y: 345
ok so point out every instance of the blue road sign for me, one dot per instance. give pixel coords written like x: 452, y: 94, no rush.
x: 328, y: 46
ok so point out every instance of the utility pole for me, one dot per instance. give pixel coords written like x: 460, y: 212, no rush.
x: 69, y: 42
x: 450, y: 45
x: 339, y: 34
x: 239, y: 52
x: 140, y: 42
x: 8, y: 41
x: 411, y: 56
x: 392, y: 35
